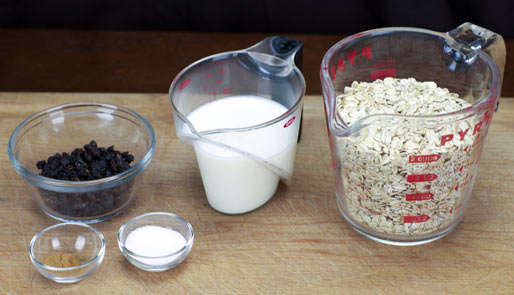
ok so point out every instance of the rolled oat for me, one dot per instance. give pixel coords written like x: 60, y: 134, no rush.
x: 400, y: 177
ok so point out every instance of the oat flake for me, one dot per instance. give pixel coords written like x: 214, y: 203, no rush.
x: 375, y: 160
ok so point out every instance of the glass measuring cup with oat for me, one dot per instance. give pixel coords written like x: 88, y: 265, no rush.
x: 407, y: 113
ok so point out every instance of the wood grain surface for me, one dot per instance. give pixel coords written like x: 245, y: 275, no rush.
x: 298, y: 243
x: 139, y: 61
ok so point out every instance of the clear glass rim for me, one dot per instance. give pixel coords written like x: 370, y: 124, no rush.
x: 329, y: 92
x: 39, y: 180
x: 189, y: 241
x: 232, y: 54
x: 98, y: 256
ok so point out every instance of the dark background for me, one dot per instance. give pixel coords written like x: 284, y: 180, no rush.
x: 261, y: 16
x: 139, y: 46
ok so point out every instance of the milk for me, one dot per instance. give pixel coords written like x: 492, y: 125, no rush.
x: 235, y: 183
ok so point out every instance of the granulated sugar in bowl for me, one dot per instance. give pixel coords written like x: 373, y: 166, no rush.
x: 156, y: 241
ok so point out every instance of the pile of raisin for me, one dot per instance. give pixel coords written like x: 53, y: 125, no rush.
x: 88, y: 163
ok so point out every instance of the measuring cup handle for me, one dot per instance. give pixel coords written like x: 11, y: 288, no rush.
x: 287, y: 49
x: 476, y: 37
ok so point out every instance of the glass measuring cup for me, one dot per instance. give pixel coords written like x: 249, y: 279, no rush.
x: 241, y: 163
x: 411, y: 195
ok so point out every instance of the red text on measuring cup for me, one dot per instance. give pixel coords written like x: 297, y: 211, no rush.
x: 462, y: 133
x: 419, y: 197
x: 383, y: 73
x: 421, y: 177
x: 416, y: 219
x: 364, y: 52
x: 423, y: 158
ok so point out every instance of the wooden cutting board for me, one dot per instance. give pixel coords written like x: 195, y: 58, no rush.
x: 298, y: 243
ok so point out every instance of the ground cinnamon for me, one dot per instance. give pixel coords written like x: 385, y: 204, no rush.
x: 60, y: 259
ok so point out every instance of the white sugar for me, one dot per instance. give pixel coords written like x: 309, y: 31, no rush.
x: 155, y: 241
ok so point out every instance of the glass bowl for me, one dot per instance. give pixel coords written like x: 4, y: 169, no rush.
x: 66, y: 127
x: 162, y: 219
x: 83, y: 242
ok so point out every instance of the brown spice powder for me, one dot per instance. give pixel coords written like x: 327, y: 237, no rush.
x: 60, y: 259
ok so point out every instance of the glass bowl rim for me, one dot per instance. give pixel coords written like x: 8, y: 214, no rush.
x: 188, y: 244
x: 97, y: 257
x: 39, y: 180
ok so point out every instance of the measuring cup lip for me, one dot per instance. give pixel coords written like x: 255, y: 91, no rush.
x: 324, y: 71
x: 229, y: 54
x: 329, y: 92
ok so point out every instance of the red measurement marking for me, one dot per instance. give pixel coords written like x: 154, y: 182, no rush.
x: 212, y: 90
x: 289, y: 122
x: 379, y: 64
x: 416, y: 219
x: 207, y: 76
x: 467, y: 181
x: 487, y: 117
x: 446, y: 138
x: 478, y: 141
x: 462, y: 133
x: 325, y: 68
x: 351, y: 57
x: 452, y: 210
x: 219, y: 81
x: 340, y: 65
x: 366, y: 51
x: 421, y: 177
x: 385, y: 63
x: 333, y: 70
x: 223, y: 71
x: 185, y: 83
x: 477, y: 128
x: 423, y: 158
x: 384, y: 73
x: 419, y: 197
x: 361, y: 70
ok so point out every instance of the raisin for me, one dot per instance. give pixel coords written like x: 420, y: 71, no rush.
x: 87, y: 163
x: 41, y: 165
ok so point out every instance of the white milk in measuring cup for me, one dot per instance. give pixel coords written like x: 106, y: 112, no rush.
x: 241, y: 111
x: 236, y: 183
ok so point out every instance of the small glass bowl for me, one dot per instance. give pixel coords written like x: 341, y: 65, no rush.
x: 66, y: 127
x: 80, y: 240
x: 163, y: 219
